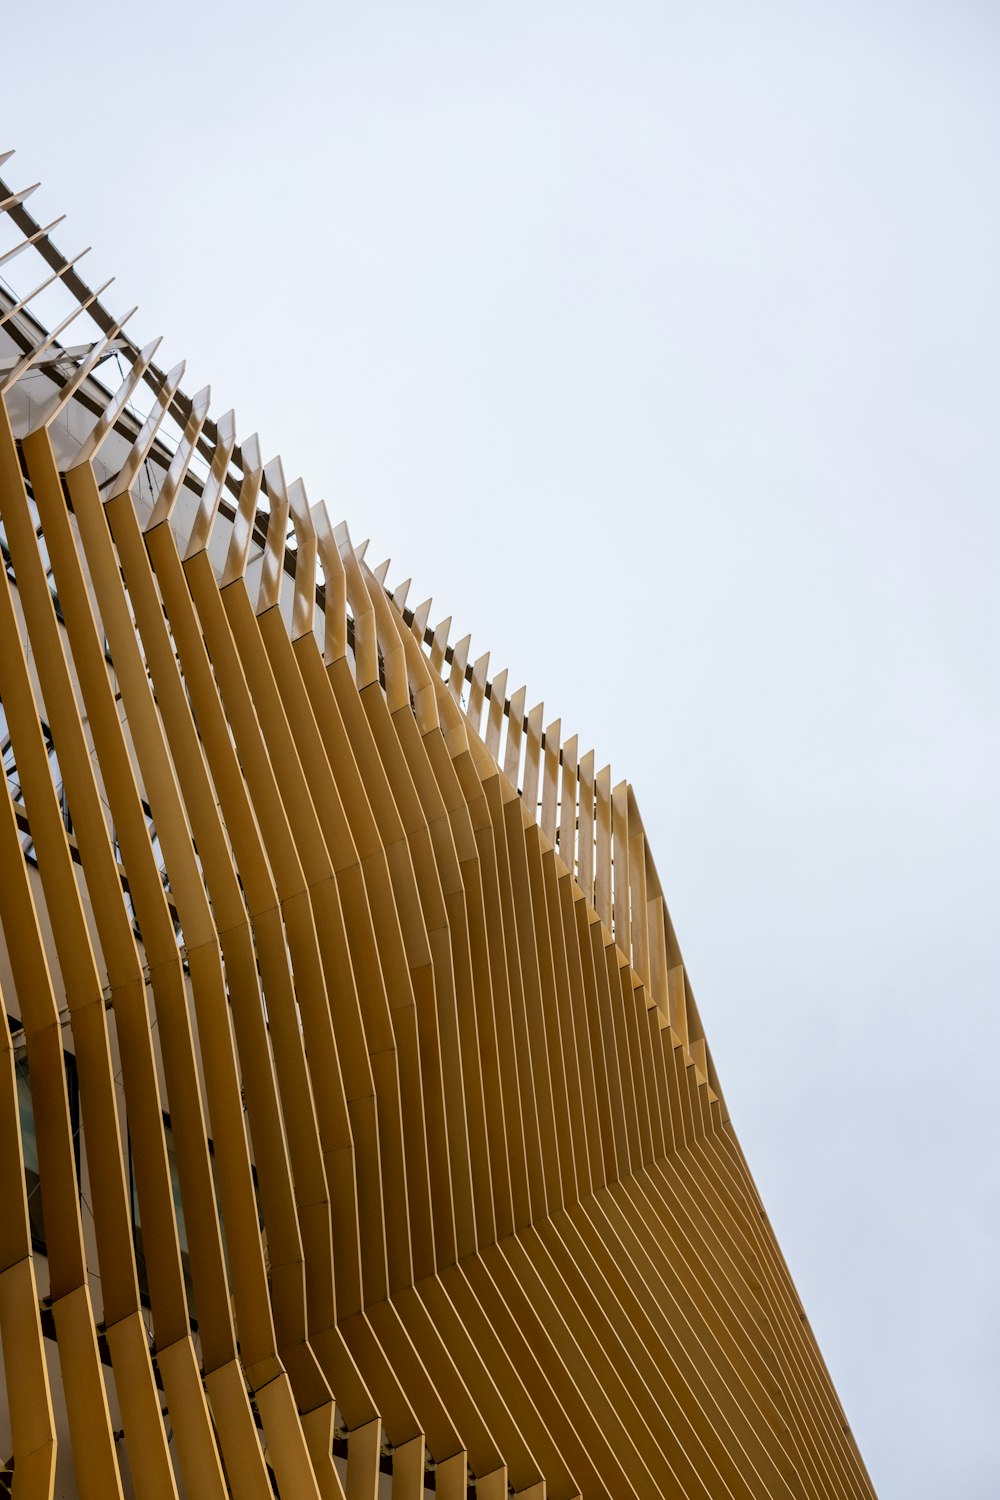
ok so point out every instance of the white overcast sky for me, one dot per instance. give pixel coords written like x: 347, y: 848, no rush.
x: 661, y: 344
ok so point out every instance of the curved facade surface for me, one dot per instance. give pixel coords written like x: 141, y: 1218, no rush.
x: 357, y: 1126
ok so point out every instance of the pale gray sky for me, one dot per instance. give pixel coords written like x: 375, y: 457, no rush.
x: 661, y: 344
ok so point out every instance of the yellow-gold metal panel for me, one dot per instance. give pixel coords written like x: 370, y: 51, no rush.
x: 447, y: 1162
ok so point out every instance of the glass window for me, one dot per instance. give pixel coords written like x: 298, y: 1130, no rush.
x: 29, y: 1140
x: 175, y: 1184
x: 179, y: 1213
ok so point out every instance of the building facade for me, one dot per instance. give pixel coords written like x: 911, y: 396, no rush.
x: 359, y: 1134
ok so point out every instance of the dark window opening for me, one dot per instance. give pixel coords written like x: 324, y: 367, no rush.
x: 29, y: 1140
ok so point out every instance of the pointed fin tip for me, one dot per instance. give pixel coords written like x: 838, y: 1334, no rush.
x: 16, y: 198
x: 250, y: 454
x: 200, y: 402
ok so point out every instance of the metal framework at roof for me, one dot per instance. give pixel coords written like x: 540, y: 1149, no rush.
x: 381, y: 1028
